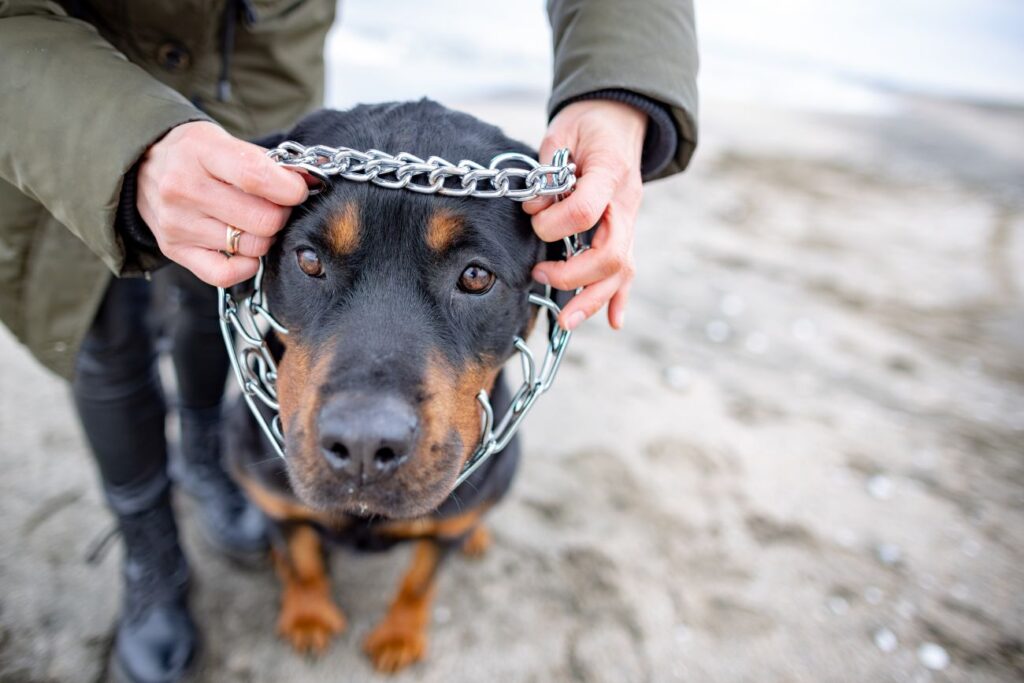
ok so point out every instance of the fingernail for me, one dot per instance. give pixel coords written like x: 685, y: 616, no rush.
x: 574, y: 319
x: 620, y: 320
x: 541, y: 277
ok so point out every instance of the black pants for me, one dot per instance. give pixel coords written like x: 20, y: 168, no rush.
x: 117, y: 388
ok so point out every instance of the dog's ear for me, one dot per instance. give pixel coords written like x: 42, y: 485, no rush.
x: 271, y: 140
x: 313, y: 126
x: 351, y: 127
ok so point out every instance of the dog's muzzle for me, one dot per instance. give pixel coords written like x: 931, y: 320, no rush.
x: 244, y: 324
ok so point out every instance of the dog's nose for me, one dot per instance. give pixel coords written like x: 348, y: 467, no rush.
x: 366, y: 436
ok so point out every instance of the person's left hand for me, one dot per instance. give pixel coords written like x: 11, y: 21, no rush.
x: 606, y: 139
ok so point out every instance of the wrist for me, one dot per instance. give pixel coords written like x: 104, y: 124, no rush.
x: 661, y: 138
x: 628, y: 123
x: 630, y: 120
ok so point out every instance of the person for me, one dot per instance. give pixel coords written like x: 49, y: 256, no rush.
x: 124, y: 149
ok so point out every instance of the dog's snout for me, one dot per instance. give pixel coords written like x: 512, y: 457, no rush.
x: 367, y: 437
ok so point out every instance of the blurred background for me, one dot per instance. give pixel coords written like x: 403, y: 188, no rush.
x: 803, y: 460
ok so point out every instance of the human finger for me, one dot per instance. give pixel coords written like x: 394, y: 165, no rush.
x: 548, y: 147
x: 588, y: 302
x: 617, y: 307
x: 214, y: 268
x: 212, y: 234
x: 538, y: 204
x: 586, y: 268
x: 247, y: 167
x: 581, y: 210
x: 247, y: 212
x: 610, y: 252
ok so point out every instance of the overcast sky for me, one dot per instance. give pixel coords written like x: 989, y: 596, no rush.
x: 803, y: 53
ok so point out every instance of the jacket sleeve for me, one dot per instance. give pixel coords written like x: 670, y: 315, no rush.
x: 76, y: 116
x: 648, y: 48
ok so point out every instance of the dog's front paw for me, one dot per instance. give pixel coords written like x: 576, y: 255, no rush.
x: 477, y: 543
x: 395, y: 644
x: 309, y: 619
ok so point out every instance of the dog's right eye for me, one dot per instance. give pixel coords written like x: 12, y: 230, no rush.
x: 309, y: 262
x: 476, y: 280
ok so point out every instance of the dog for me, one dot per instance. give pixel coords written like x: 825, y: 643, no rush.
x: 400, y: 308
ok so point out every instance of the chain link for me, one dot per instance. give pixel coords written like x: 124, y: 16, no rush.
x: 244, y: 325
x: 499, y: 179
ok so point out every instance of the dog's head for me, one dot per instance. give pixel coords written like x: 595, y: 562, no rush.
x: 401, y: 308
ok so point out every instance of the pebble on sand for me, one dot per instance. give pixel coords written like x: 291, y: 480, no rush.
x: 885, y: 640
x: 906, y: 609
x: 933, y: 656
x: 804, y: 330
x: 679, y: 318
x: 732, y: 305
x: 970, y: 547
x: 757, y: 343
x: 889, y: 554
x: 838, y: 605
x: 846, y: 537
x: 880, y: 487
x: 678, y: 377
x: 718, y: 331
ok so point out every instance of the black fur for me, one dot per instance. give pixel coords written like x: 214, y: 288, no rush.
x: 381, y: 311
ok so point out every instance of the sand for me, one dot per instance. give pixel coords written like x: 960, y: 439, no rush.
x: 801, y: 461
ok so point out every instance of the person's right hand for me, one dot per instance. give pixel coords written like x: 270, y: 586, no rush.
x: 199, y: 180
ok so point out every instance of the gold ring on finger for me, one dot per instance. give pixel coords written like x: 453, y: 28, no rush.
x: 234, y: 236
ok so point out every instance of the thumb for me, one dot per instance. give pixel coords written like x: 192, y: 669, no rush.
x: 548, y: 146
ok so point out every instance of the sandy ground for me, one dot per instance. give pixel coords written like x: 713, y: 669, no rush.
x: 802, y: 461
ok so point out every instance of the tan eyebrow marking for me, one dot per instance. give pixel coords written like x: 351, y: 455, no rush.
x: 344, y: 232
x: 442, y: 230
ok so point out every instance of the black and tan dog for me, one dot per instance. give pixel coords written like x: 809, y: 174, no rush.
x: 401, y: 308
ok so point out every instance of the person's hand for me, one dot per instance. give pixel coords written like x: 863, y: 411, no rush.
x: 197, y: 181
x: 606, y: 139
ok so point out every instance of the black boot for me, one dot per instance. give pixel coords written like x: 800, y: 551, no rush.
x: 229, y: 521
x: 156, y: 638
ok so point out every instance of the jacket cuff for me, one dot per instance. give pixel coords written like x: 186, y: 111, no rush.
x: 661, y: 141
x: 141, y: 251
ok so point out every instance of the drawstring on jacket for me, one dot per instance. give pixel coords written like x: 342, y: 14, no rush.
x: 227, y: 43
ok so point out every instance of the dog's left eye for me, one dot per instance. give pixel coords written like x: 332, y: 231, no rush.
x: 476, y: 280
x: 309, y: 262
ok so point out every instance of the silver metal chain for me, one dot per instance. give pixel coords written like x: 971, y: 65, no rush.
x: 244, y: 325
x: 499, y: 179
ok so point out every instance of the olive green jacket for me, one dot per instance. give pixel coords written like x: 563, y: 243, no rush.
x: 87, y: 87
